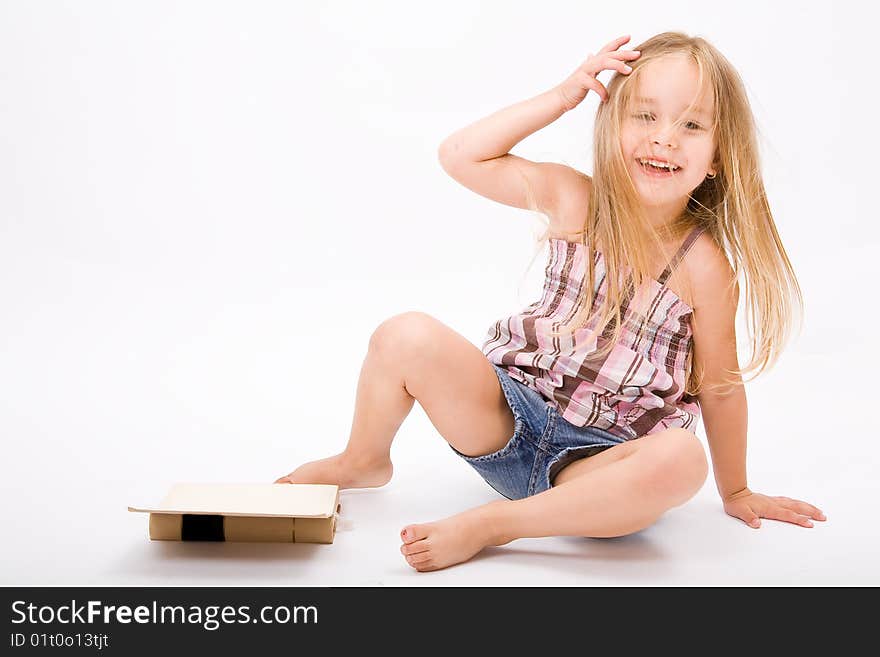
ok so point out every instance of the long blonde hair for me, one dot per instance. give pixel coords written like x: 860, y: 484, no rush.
x: 732, y: 208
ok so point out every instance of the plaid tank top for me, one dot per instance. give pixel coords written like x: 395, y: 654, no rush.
x: 638, y: 389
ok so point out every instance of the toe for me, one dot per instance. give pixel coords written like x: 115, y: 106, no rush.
x: 416, y: 547
x: 425, y: 565
x: 419, y: 561
x: 412, y: 533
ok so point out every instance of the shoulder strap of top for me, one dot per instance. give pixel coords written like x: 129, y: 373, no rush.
x: 685, y: 247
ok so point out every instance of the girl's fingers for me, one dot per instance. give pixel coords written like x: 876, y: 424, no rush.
x: 606, y: 64
x: 596, y: 86
x: 781, y: 513
x: 746, y: 514
x: 614, y: 45
x: 808, y: 510
x: 610, y: 62
x: 625, y: 54
x: 618, y: 65
x: 801, y: 507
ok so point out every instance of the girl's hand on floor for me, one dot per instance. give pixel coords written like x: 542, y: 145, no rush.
x: 575, y: 88
x: 751, y: 507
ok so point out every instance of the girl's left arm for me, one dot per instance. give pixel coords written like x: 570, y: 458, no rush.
x: 724, y: 410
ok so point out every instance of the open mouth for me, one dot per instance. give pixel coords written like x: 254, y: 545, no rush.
x: 657, y: 170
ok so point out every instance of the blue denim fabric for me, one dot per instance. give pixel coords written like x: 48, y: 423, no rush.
x: 543, y: 442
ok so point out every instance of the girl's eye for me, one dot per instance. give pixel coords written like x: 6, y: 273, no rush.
x: 689, y: 123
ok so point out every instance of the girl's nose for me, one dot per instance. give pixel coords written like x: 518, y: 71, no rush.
x: 663, y: 139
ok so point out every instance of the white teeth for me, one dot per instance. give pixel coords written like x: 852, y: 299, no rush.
x: 662, y: 165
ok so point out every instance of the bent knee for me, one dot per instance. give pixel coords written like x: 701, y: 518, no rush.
x: 405, y: 335
x: 683, y: 468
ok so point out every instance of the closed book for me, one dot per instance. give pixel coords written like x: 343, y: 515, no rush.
x: 273, y: 513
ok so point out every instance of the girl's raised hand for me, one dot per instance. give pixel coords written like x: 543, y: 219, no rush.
x: 574, y: 89
x: 751, y: 507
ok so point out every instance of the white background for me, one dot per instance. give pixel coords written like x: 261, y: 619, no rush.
x: 206, y: 208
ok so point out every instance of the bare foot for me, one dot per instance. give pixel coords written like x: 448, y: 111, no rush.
x: 342, y: 470
x: 436, y: 545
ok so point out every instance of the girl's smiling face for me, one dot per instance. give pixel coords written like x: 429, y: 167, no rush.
x: 658, y: 127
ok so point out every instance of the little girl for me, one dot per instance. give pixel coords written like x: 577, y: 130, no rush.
x: 581, y: 410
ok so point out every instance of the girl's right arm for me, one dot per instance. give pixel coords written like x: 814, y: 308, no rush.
x: 477, y: 156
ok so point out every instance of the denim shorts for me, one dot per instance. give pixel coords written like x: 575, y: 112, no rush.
x: 543, y: 442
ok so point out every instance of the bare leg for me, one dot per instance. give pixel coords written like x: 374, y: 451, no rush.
x: 381, y: 406
x: 414, y: 356
x: 618, y: 496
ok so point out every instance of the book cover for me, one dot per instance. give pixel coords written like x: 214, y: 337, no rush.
x: 277, y: 513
